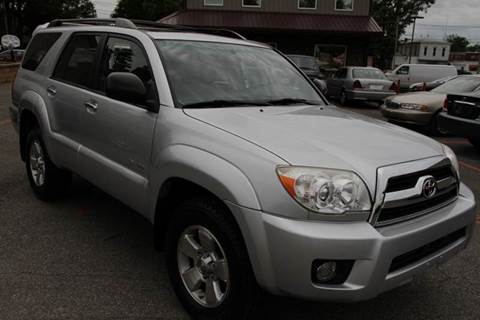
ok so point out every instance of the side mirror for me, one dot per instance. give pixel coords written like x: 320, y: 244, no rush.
x: 126, y: 87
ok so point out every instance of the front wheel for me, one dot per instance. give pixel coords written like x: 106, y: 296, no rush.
x: 208, y: 263
x: 47, y: 180
x: 344, y: 98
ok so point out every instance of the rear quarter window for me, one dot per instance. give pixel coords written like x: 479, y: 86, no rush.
x: 38, y: 48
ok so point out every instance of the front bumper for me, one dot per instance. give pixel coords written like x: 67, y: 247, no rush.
x: 282, y: 250
x: 459, y: 126
x: 369, y: 95
x: 407, y: 116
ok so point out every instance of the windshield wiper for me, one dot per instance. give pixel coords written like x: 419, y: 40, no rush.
x: 223, y: 104
x: 290, y: 101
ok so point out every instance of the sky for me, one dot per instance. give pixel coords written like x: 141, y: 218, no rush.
x: 448, y: 17
x: 104, y: 7
x: 443, y: 18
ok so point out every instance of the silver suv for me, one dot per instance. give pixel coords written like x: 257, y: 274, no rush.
x: 250, y: 178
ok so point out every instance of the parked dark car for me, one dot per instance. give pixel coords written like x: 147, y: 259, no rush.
x: 461, y: 116
x: 312, y: 69
x: 428, y: 86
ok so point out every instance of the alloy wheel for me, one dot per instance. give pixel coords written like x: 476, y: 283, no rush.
x: 203, y: 266
x: 37, y: 163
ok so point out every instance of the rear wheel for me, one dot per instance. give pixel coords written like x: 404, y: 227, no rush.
x: 47, y: 180
x: 208, y: 263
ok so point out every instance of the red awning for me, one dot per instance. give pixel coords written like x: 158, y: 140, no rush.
x: 274, y: 21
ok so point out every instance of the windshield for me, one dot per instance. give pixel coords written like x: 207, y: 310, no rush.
x: 202, y: 72
x: 368, y: 74
x: 305, y: 62
x: 459, y: 85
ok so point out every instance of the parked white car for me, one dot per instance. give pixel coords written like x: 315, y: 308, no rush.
x: 409, y: 74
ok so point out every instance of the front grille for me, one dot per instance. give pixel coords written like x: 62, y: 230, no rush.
x: 391, y: 104
x: 416, y: 207
x: 404, y: 197
x: 408, y: 181
x: 418, y: 254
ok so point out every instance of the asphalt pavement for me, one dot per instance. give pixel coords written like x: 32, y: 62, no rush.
x: 88, y: 256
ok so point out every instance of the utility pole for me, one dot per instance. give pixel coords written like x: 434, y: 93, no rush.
x: 5, y: 17
x: 413, y: 37
x: 396, y: 42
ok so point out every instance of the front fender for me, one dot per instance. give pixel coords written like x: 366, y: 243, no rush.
x: 209, y: 171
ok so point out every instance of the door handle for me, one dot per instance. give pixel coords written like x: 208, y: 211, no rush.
x: 91, y: 106
x: 51, y: 91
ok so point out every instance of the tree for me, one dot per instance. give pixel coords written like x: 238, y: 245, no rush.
x: 23, y: 16
x: 459, y: 44
x: 391, y: 14
x: 146, y: 9
x: 474, y: 48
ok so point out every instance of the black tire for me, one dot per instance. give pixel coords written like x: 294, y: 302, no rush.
x: 243, y: 292
x: 433, y: 128
x: 56, y: 181
x: 475, y: 143
x: 344, y: 98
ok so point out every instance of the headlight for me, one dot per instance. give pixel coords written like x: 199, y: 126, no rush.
x: 326, y: 191
x: 453, y: 158
x: 414, y: 106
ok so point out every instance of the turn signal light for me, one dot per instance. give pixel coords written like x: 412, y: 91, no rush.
x: 445, y: 104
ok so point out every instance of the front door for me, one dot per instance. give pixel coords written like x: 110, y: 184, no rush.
x: 117, y: 139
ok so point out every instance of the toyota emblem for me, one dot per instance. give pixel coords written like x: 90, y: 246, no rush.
x: 429, y: 188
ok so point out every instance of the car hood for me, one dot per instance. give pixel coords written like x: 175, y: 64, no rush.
x: 324, y: 137
x: 431, y: 99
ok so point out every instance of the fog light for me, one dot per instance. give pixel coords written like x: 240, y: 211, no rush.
x: 330, y: 272
x: 326, y: 271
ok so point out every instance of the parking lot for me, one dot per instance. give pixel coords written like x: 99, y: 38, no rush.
x: 88, y: 256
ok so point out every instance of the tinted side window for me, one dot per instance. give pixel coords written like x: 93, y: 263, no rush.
x: 38, y: 48
x: 78, y: 61
x: 123, y: 55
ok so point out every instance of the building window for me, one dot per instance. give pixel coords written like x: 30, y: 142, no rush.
x: 444, y: 51
x: 252, y: 3
x: 217, y: 3
x: 434, y: 51
x: 344, y: 5
x: 307, y: 4
x: 425, y: 51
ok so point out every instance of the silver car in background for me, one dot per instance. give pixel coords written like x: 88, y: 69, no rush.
x: 422, y: 108
x: 360, y: 83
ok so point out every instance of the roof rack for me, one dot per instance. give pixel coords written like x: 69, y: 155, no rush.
x: 143, y: 25
x: 114, y: 22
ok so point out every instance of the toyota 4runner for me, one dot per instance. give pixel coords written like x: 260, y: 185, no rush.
x: 249, y: 177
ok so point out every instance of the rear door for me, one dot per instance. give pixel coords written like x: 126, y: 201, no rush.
x: 69, y: 87
x: 117, y: 136
x: 335, y: 84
